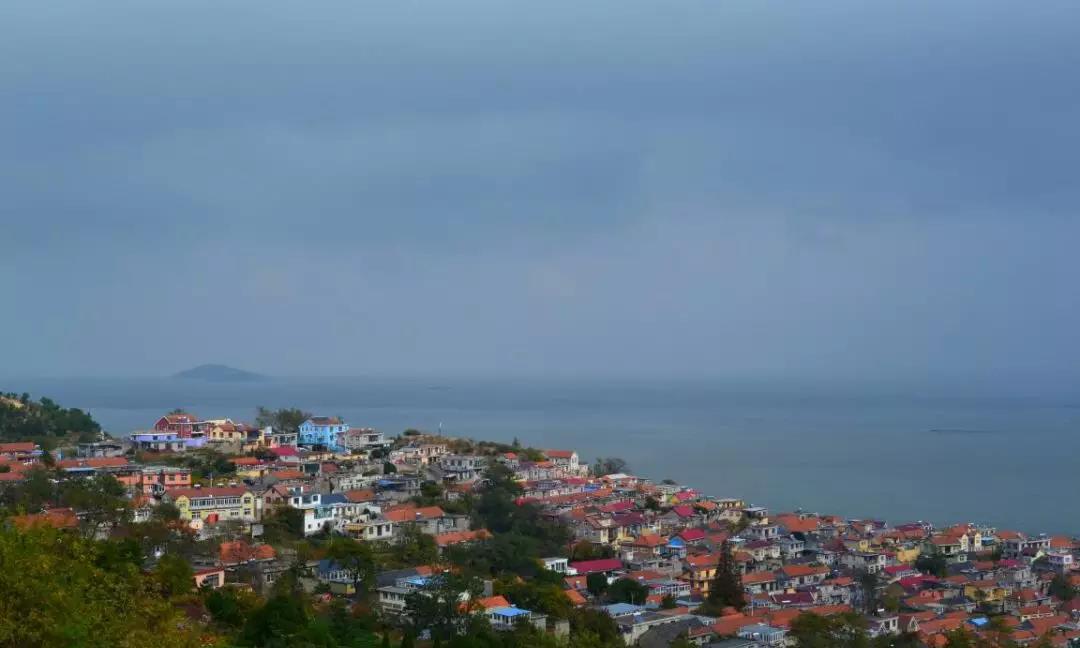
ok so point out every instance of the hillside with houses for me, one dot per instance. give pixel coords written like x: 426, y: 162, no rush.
x: 217, y: 532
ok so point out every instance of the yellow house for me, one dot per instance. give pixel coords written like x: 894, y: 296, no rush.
x: 985, y: 591
x: 908, y: 553
x: 226, y: 430
x: 215, y: 504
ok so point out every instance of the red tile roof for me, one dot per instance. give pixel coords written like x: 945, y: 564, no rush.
x: 231, y: 553
x: 458, y: 537
x: 18, y: 446
x: 359, y: 496
x: 412, y: 513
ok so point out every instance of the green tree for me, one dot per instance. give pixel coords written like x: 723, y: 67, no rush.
x: 282, y: 621
x: 286, y: 420
x: 868, y: 586
x: 441, y: 606
x: 1061, y: 588
x: 100, y: 501
x: 596, y: 583
x: 934, y: 564
x: 356, y: 558
x: 173, y: 576
x: 626, y: 590
x: 846, y: 630
x: 726, y: 589
x: 609, y: 466
x: 229, y: 607
x: 57, y: 589
x: 668, y: 602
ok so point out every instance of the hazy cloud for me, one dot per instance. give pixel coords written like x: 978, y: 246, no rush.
x: 702, y: 187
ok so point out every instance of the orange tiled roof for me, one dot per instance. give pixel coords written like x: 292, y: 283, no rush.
x: 358, y: 496
x: 410, y: 513
x: 239, y: 551
x: 755, y: 578
x: 93, y: 462
x: 18, y: 446
x: 457, y: 537
x: 58, y: 518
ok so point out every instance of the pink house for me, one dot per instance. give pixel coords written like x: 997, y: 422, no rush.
x: 211, y: 577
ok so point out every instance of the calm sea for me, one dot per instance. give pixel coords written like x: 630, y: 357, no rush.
x: 881, y: 453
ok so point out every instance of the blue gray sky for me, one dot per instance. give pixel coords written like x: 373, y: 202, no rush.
x: 728, y: 187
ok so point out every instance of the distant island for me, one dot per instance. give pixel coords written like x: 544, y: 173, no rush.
x: 218, y: 373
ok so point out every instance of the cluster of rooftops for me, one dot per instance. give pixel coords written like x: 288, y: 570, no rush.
x: 666, y: 537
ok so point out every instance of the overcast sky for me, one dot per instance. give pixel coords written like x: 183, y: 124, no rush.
x: 714, y: 187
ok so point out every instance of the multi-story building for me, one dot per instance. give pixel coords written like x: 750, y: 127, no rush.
x: 364, y: 439
x: 153, y: 481
x: 183, y: 424
x: 463, y: 467
x: 158, y: 441
x: 214, y: 504
x: 567, y: 460
x: 325, y: 431
x: 20, y: 452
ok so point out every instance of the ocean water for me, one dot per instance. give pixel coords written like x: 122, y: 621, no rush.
x: 891, y: 454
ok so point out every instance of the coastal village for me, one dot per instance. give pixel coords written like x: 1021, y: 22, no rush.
x: 647, y: 559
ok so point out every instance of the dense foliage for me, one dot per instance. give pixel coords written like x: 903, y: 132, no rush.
x: 59, y: 589
x: 43, y: 421
x: 282, y: 420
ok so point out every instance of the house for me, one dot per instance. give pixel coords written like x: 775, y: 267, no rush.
x: 21, y: 452
x: 214, y: 504
x: 803, y: 575
x: 864, y: 561
x: 57, y: 518
x: 1015, y: 544
x: 605, y: 566
x: 321, y: 510
x: 1061, y: 561
x: 509, y: 617
x: 766, y: 532
x: 634, y: 625
x: 96, y: 449
x: 210, y: 577
x: 240, y: 552
x: 568, y: 460
x: 158, y: 441
x: 324, y: 431
x: 153, y: 481
x: 557, y: 565
x: 428, y: 519
x: 364, y: 439
x: 92, y: 465
x: 372, y: 529
x: 462, y: 467
x: 888, y: 624
x: 183, y: 424
x: 598, y: 530
x: 444, y: 540
x: 759, y: 582
x: 700, y: 571
x: 393, y: 598
x: 764, y: 635
x: 226, y: 431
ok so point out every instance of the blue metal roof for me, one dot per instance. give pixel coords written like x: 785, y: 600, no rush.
x: 509, y: 611
x: 622, y: 609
